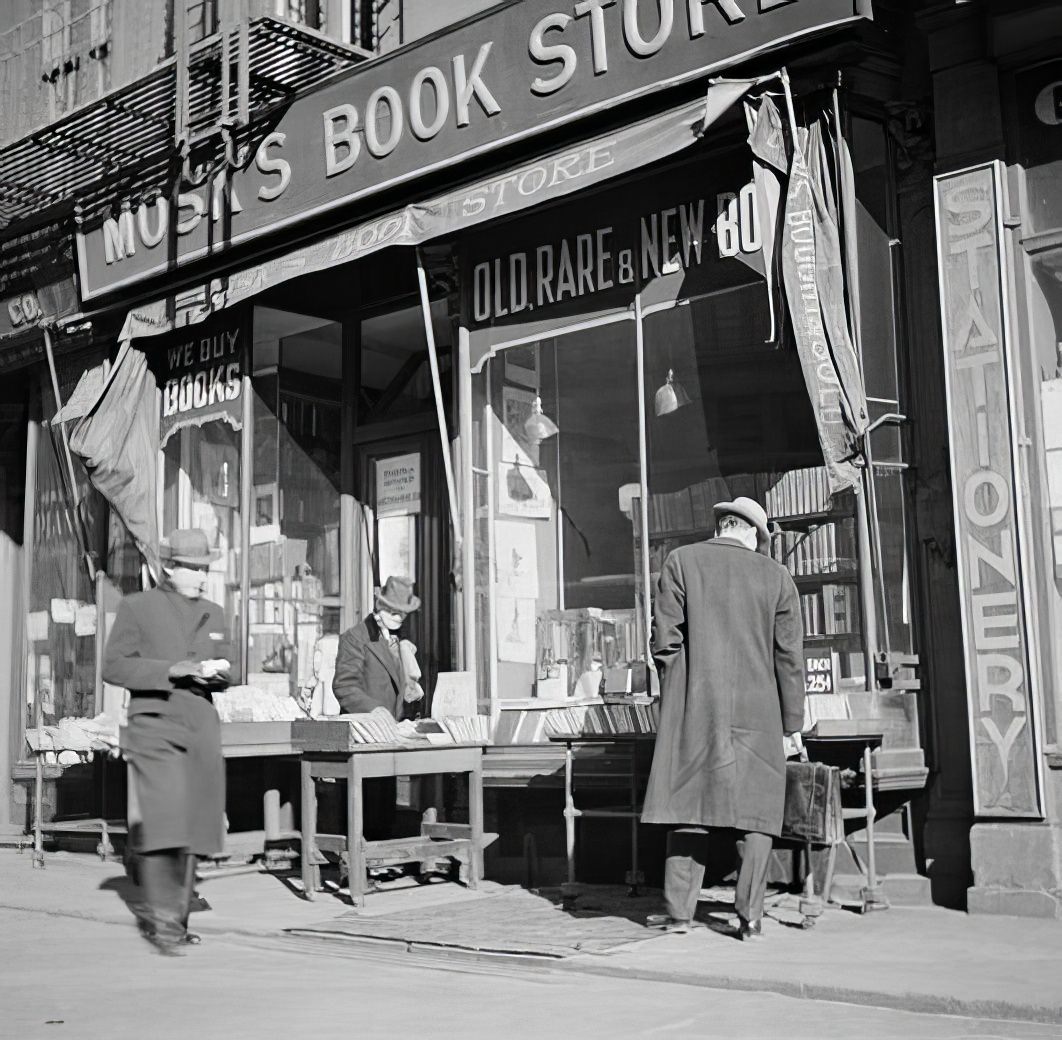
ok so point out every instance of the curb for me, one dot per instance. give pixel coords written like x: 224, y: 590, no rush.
x: 299, y: 940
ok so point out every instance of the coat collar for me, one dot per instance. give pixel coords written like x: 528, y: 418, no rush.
x: 723, y: 539
x: 378, y: 645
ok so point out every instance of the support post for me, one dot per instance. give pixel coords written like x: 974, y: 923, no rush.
x: 467, y: 561
x: 246, y: 488
x: 643, y: 482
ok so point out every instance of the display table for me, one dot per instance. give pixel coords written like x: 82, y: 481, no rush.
x: 327, y: 753
x: 631, y: 811
x: 852, y: 751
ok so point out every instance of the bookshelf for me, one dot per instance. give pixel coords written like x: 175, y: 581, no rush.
x: 814, y: 536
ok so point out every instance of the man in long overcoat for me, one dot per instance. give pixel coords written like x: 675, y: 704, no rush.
x: 370, y: 674
x: 170, y: 648
x: 728, y: 643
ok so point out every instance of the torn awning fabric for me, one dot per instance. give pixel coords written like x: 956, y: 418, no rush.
x: 117, y: 439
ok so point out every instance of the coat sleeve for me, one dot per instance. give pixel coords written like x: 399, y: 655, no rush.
x: 122, y: 662
x: 225, y: 648
x: 349, y: 682
x: 669, y: 615
x: 789, y: 655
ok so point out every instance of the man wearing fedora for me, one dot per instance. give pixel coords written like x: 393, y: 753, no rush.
x: 371, y: 673
x: 170, y: 648
x: 728, y: 644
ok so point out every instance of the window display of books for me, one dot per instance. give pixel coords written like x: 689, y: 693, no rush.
x: 637, y: 716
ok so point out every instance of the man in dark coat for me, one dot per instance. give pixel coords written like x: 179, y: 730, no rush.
x: 728, y: 643
x: 369, y: 675
x: 170, y: 648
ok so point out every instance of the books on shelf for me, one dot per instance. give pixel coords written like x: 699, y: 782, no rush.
x: 799, y: 492
x: 636, y: 716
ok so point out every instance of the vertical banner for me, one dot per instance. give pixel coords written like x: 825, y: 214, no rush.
x: 812, y: 274
x: 986, y: 486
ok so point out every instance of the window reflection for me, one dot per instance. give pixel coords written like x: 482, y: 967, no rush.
x: 294, y: 531
x: 557, y: 553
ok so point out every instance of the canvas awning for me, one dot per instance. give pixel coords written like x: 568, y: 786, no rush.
x: 544, y: 179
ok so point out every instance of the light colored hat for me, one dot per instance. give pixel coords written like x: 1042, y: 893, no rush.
x: 187, y: 545
x: 397, y: 594
x: 751, y: 512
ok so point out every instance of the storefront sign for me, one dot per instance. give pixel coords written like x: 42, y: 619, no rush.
x: 199, y: 373
x: 689, y: 230
x: 37, y: 306
x: 398, y: 485
x: 999, y: 642
x: 512, y: 73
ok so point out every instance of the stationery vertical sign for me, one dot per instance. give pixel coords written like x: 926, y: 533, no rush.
x: 998, y: 640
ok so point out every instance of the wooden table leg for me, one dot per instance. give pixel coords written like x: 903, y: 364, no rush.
x: 311, y: 874
x: 475, y: 818
x: 357, y: 879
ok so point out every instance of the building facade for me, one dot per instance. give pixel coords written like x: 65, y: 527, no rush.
x: 505, y: 308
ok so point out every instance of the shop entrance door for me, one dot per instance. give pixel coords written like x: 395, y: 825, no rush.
x: 405, y: 533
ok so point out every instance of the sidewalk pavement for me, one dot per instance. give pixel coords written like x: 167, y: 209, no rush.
x: 926, y: 960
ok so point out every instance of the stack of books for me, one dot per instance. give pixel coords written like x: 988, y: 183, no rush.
x: 467, y: 729
x: 375, y: 727
x: 640, y: 716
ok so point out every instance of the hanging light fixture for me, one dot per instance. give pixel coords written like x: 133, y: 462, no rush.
x: 671, y: 396
x: 538, y: 426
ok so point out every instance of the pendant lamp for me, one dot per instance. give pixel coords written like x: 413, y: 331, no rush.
x: 538, y: 426
x: 671, y: 396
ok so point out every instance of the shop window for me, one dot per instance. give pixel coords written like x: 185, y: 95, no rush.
x: 294, y: 524
x: 728, y: 415
x: 558, y: 555
x: 201, y: 488
x: 69, y: 611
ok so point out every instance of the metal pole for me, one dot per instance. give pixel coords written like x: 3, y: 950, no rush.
x: 467, y: 550
x: 440, y: 411
x: 869, y: 540
x: 246, y: 487
x: 643, y: 478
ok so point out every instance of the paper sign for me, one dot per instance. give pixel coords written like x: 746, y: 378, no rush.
x: 516, y: 630
x: 398, y: 485
x: 64, y: 611
x: 516, y: 553
x: 85, y: 620
x: 819, y: 672
x: 455, y: 695
x: 37, y: 626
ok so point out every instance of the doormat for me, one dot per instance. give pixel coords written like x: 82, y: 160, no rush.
x: 514, y: 922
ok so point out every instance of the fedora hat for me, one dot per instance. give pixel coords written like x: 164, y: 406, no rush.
x: 187, y: 545
x: 397, y: 595
x: 751, y: 512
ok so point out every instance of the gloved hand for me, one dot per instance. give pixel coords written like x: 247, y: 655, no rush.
x: 184, y: 670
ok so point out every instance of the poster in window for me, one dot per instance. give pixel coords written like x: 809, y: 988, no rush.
x: 516, y: 558
x: 522, y: 486
x: 398, y: 485
x: 516, y: 629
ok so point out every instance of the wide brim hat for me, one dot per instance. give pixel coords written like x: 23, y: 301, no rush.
x: 397, y: 595
x: 189, y: 546
x: 750, y: 511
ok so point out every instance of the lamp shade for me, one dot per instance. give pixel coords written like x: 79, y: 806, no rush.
x: 671, y: 396
x: 538, y: 426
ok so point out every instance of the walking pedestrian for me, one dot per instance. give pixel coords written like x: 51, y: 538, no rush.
x: 170, y: 648
x: 728, y: 642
